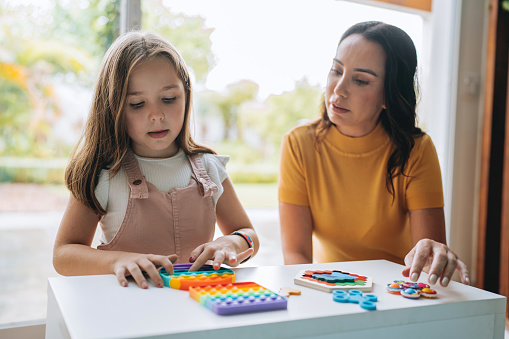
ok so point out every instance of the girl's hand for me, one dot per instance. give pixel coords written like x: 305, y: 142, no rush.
x: 134, y: 264
x: 222, y: 250
x: 437, y: 259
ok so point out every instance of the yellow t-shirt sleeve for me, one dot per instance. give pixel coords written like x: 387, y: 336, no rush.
x: 292, y: 179
x: 424, y: 181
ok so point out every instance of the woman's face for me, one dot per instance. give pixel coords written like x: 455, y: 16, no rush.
x: 155, y: 108
x: 354, y: 95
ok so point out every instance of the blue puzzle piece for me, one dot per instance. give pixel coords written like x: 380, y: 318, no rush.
x: 366, y: 301
x: 334, y: 277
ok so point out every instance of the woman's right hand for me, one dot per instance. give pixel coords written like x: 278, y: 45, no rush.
x: 134, y: 264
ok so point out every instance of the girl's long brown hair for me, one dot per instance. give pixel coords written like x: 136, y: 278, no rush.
x: 104, y: 141
x: 400, y: 94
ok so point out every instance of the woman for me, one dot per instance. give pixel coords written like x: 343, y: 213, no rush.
x: 363, y: 181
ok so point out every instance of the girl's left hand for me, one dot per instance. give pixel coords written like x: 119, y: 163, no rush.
x: 437, y: 259
x: 221, y: 250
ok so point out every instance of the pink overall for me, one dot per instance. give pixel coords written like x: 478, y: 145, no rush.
x: 166, y: 223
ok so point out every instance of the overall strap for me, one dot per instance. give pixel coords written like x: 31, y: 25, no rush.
x: 137, y: 185
x: 207, y: 186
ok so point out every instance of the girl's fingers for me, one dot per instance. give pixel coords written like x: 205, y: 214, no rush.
x: 196, y: 253
x: 138, y: 276
x: 244, y: 255
x: 167, y: 263
x: 120, y: 274
x: 149, y: 268
x: 201, y: 259
x: 231, y: 259
x: 219, y: 257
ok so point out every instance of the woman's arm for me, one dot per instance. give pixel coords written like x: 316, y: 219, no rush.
x: 230, y: 249
x: 73, y: 254
x: 430, y: 252
x: 296, y: 233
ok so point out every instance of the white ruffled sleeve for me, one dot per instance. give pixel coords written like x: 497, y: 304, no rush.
x: 215, y: 165
x: 102, y: 190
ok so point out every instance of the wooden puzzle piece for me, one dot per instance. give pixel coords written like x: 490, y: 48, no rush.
x: 287, y: 291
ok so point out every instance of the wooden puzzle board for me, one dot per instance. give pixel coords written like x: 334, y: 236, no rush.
x: 338, y: 280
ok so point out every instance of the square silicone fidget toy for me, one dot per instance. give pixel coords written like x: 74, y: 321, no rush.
x: 181, y: 279
x: 237, y: 298
x: 331, y: 280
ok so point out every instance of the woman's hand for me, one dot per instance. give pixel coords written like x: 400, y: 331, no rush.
x: 134, y: 264
x: 227, y: 249
x: 437, y: 259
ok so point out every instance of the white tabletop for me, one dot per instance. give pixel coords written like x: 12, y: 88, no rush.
x: 98, y: 307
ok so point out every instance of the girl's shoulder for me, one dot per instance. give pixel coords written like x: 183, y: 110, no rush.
x: 214, y: 160
x: 102, y: 190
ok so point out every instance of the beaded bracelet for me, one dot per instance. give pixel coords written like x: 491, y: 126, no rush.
x: 247, y: 238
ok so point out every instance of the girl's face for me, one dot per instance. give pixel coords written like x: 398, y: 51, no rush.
x: 354, y: 95
x: 155, y: 108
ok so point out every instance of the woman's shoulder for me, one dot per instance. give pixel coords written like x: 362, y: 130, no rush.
x: 423, y: 141
x: 303, y: 131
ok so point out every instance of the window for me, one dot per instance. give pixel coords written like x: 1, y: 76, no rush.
x: 255, y: 58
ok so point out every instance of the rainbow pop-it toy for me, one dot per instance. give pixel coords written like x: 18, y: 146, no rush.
x: 237, y: 298
x: 182, y: 279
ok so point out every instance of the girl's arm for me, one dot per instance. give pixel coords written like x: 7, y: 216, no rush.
x: 230, y: 249
x: 73, y: 254
x: 296, y: 233
x: 430, y: 251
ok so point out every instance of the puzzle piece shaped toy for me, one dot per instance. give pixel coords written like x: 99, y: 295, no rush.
x: 330, y: 280
x: 365, y: 301
x: 287, y: 291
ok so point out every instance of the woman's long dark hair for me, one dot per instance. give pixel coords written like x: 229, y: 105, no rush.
x: 400, y: 93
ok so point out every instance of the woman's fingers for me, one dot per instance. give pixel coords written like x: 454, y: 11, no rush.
x: 463, y: 272
x: 438, y: 258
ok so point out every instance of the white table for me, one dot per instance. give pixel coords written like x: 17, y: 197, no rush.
x: 98, y: 307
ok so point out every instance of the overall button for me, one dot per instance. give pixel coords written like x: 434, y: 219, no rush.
x: 137, y: 182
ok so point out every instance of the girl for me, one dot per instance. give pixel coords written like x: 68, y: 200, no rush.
x: 138, y: 173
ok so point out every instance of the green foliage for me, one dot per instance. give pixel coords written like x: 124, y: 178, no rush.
x: 188, y: 34
x: 280, y: 113
x: 229, y: 104
x: 505, y: 5
x: 239, y: 152
x: 59, y: 39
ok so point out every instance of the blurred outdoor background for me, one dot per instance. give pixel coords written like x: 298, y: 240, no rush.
x: 259, y: 68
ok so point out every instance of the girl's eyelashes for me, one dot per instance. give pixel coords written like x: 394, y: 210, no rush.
x: 168, y: 100
x: 141, y: 103
x: 137, y: 105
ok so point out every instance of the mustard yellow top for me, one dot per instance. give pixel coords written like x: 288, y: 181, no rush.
x: 343, y: 182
